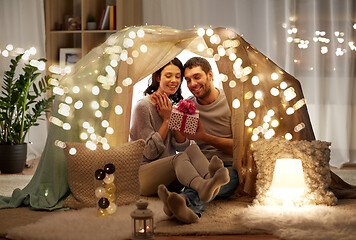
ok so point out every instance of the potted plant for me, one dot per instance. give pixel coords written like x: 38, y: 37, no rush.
x: 21, y: 106
x: 91, y: 22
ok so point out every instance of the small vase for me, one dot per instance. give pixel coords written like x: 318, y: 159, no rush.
x: 13, y: 158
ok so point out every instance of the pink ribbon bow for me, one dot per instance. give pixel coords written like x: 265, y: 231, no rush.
x: 186, y: 106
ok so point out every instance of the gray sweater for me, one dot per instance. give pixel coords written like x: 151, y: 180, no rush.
x: 216, y: 120
x: 145, y: 125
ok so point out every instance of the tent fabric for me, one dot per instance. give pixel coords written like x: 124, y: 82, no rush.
x: 93, y: 102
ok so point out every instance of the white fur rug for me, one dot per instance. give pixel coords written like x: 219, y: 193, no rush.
x: 9, y: 182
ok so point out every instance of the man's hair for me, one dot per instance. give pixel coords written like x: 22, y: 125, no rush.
x: 198, y: 61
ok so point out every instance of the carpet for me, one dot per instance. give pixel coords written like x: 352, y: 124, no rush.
x: 221, y: 217
x: 8, y: 182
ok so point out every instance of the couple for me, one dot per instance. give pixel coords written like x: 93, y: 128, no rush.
x: 204, y: 169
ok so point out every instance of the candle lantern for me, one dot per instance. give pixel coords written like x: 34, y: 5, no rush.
x: 142, y: 221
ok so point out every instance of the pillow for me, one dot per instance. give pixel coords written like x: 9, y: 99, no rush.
x: 315, y: 157
x: 82, y: 165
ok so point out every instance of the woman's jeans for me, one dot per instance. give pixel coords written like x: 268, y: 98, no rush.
x: 227, y: 190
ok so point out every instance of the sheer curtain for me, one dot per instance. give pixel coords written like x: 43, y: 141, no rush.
x: 22, y: 26
x: 314, y: 40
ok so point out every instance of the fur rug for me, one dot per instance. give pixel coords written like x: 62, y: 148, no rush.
x: 221, y: 217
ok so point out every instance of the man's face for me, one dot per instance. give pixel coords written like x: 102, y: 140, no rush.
x: 198, y: 82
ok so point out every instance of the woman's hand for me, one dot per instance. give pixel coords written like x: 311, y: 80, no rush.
x: 163, y: 105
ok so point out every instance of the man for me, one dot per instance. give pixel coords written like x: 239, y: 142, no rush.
x: 213, y: 136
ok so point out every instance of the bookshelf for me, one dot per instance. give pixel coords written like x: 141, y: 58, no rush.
x: 61, y: 12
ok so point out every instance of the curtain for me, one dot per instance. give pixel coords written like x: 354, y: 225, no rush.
x: 22, y: 25
x: 313, y: 40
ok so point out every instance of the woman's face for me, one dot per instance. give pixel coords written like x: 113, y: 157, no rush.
x: 169, y: 80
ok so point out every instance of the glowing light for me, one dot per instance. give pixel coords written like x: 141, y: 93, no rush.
x: 221, y: 51
x: 265, y: 125
x: 66, y: 126
x: 283, y: 85
x: 105, y: 123
x: 270, y: 113
x: 90, y: 145
x: 106, y: 146
x: 222, y: 77
x: 209, y: 32
x: 64, y: 109
x: 78, y: 104
x: 94, y: 105
x: 86, y: 125
x: 232, y: 84
x: 110, y: 71
x: 258, y: 94
x: 109, y: 130
x: 75, y: 89
x: 91, y: 130
x: 299, y: 104
x: 95, y: 90
x: 299, y: 127
x: 288, y: 180
x: 232, y: 57
x: 135, y: 53
x: 143, y: 48
x: 274, y: 91
x: 114, y: 63
x: 255, y: 80
x: 126, y: 82
x: 118, y: 110
x: 118, y: 90
x: 58, y: 91
x: 140, y: 33
x: 274, y: 76
x: 289, y: 39
x: 98, y: 114
x: 290, y: 111
x: 72, y: 151
x: 248, y: 122
x: 274, y: 123
x: 5, y: 53
x: 289, y: 94
x: 252, y: 114
x: 56, y: 121
x: 132, y: 34
x: 201, y: 47
x: 84, y: 136
x: 248, y: 95
x: 269, y: 134
x: 235, y: 103
x: 104, y: 103
x: 256, y: 104
x: 10, y: 47
x: 266, y: 118
x: 288, y: 136
x: 254, y: 137
x: 201, y: 32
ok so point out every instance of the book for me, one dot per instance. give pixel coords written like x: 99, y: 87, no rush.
x: 101, y: 19
x: 105, y: 24
x: 112, y: 20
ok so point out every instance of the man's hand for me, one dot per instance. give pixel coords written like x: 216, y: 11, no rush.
x: 199, y: 134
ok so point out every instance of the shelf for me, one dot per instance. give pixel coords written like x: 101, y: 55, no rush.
x: 128, y: 13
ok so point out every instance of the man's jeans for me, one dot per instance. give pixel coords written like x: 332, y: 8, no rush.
x: 227, y: 190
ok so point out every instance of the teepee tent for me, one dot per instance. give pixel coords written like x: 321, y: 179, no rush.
x: 93, y: 102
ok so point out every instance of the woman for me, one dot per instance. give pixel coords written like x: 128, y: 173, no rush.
x: 161, y: 164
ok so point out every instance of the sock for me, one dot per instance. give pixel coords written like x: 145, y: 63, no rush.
x: 215, y: 164
x: 163, y: 194
x: 206, y: 188
x: 180, y: 210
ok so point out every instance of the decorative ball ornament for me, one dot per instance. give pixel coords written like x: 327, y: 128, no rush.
x: 109, y: 168
x: 99, y: 174
x: 105, y: 190
x: 142, y: 221
x: 104, y: 203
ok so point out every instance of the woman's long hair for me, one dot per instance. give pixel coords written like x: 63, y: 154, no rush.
x: 156, y: 76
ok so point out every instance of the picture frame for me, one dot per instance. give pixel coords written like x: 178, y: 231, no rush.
x: 69, y: 56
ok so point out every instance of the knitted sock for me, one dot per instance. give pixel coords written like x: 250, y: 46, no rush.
x: 206, y: 188
x: 180, y: 210
x: 163, y: 194
x: 215, y: 164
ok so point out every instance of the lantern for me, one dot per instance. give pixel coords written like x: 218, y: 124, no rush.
x: 288, y: 179
x: 142, y: 221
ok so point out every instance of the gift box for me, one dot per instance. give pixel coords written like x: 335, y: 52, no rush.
x: 184, y: 117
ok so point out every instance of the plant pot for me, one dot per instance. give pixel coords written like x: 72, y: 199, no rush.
x: 13, y: 158
x: 91, y: 25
